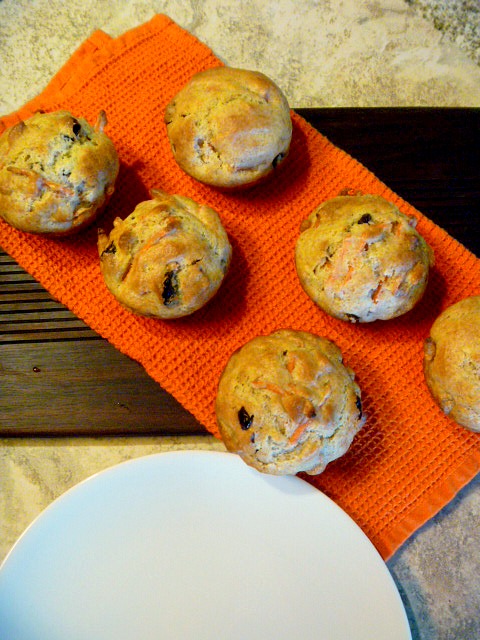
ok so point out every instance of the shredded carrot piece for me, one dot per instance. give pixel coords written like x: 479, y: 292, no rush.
x: 33, y: 175
x: 348, y: 275
x: 354, y: 244
x: 58, y: 187
x: 153, y: 240
x: 171, y: 225
x: 291, y: 362
x: 297, y: 434
x: 376, y: 293
x: 270, y: 386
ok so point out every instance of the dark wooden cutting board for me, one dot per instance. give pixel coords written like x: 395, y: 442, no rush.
x: 58, y: 377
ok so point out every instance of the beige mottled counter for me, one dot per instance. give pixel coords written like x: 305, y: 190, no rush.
x: 350, y: 53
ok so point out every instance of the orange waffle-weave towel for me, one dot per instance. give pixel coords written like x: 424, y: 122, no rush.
x: 409, y: 460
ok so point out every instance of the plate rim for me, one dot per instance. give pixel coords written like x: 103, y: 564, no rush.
x: 186, y: 454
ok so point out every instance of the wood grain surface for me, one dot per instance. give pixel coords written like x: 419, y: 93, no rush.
x: 58, y: 377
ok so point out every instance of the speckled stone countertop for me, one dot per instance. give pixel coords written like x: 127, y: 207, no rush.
x: 322, y: 53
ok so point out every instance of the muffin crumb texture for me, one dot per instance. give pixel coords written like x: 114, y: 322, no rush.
x: 286, y: 403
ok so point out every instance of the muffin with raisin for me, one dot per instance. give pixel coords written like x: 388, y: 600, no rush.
x: 229, y: 127
x: 286, y: 403
x: 57, y: 172
x: 452, y: 362
x: 360, y: 259
x: 167, y: 259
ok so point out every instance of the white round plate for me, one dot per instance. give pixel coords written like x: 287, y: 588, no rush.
x: 196, y: 545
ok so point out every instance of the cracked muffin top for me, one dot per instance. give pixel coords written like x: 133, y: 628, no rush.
x: 167, y: 259
x: 229, y: 127
x: 286, y: 403
x: 452, y: 362
x: 56, y: 173
x: 360, y: 259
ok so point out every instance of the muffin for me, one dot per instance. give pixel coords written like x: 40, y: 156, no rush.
x: 229, y: 127
x: 286, y: 403
x: 452, y: 362
x: 56, y: 173
x: 360, y: 259
x: 166, y: 259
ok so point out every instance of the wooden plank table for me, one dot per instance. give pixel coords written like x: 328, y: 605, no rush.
x: 52, y: 365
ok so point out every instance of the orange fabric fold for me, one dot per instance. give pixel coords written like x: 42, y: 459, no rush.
x: 410, y: 459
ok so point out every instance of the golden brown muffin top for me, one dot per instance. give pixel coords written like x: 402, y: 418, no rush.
x: 229, y: 127
x: 360, y: 259
x: 452, y: 362
x: 56, y: 172
x: 287, y: 403
x: 167, y: 258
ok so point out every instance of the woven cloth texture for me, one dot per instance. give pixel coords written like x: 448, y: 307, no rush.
x: 410, y: 459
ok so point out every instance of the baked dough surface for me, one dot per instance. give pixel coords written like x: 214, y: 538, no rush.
x: 286, y: 403
x: 360, y: 259
x: 167, y: 259
x: 57, y: 172
x: 229, y: 127
x: 452, y: 362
